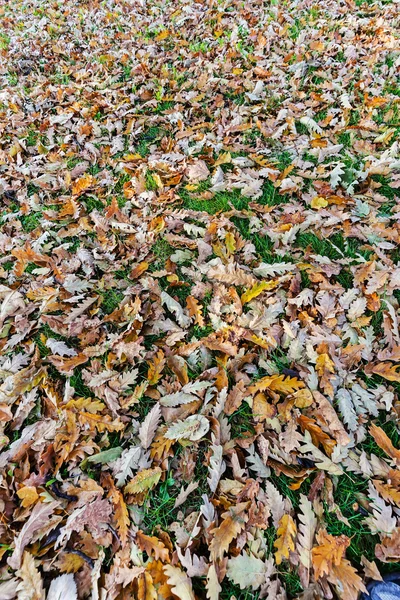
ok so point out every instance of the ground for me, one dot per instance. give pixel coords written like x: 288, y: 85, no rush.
x: 199, y: 298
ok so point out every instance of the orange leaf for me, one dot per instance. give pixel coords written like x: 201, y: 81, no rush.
x: 152, y: 546
x: 156, y: 367
x: 194, y: 309
x: 82, y: 184
x: 329, y: 552
x: 344, y: 576
x: 385, y: 369
x: 384, y: 443
x: 28, y: 495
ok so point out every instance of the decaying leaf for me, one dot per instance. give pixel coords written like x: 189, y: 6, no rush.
x: 284, y: 542
x: 199, y: 298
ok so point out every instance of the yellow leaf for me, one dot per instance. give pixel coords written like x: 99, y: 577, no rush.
x: 28, y: 495
x: 257, y: 289
x: 284, y: 542
x: 277, y: 383
x: 262, y: 409
x: 69, y: 563
x: 318, y: 202
x: 130, y: 157
x: 145, y: 480
x: 230, y: 242
x: 162, y: 35
x: 146, y: 588
x: 101, y: 423
x: 223, y: 159
x: 324, y: 363
x: 158, y: 181
x: 303, y: 398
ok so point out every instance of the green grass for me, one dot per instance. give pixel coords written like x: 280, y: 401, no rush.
x: 111, y: 300
x: 242, y: 422
x: 31, y: 221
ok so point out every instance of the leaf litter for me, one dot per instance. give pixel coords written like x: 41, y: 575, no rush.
x: 199, y: 299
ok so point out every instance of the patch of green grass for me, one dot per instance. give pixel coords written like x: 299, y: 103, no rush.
x: 345, y: 278
x: 354, y: 117
x: 295, y: 29
x: 76, y: 381
x: 4, y: 41
x: 301, y: 128
x: 111, y: 300
x: 92, y: 203
x: 30, y: 268
x: 72, y: 162
x: 200, y: 332
x: 162, y: 250
x: 163, y: 106
x: 31, y: 221
x: 362, y: 542
x: 385, y: 189
x: 221, y: 201
x: 242, y: 422
x: 151, y: 184
x: 43, y: 349
x: 32, y: 189
x: 32, y: 137
x: 334, y: 247
x: 159, y: 508
x: 147, y: 138
x: 345, y: 139
x: 230, y: 591
x: 283, y: 159
x: 8, y: 265
x: 322, y: 247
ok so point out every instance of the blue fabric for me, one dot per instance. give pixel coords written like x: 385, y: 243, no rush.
x: 383, y: 590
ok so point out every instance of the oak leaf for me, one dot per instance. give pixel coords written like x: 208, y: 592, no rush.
x: 277, y: 383
x: 328, y: 553
x: 144, y: 481
x: 284, y: 543
x: 180, y: 583
x: 31, y: 585
x: 233, y: 522
x: 152, y: 546
x: 387, y: 370
x: 246, y: 571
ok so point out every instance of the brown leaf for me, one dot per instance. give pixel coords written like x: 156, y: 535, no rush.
x: 233, y: 522
x: 152, y: 546
x: 384, y: 443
